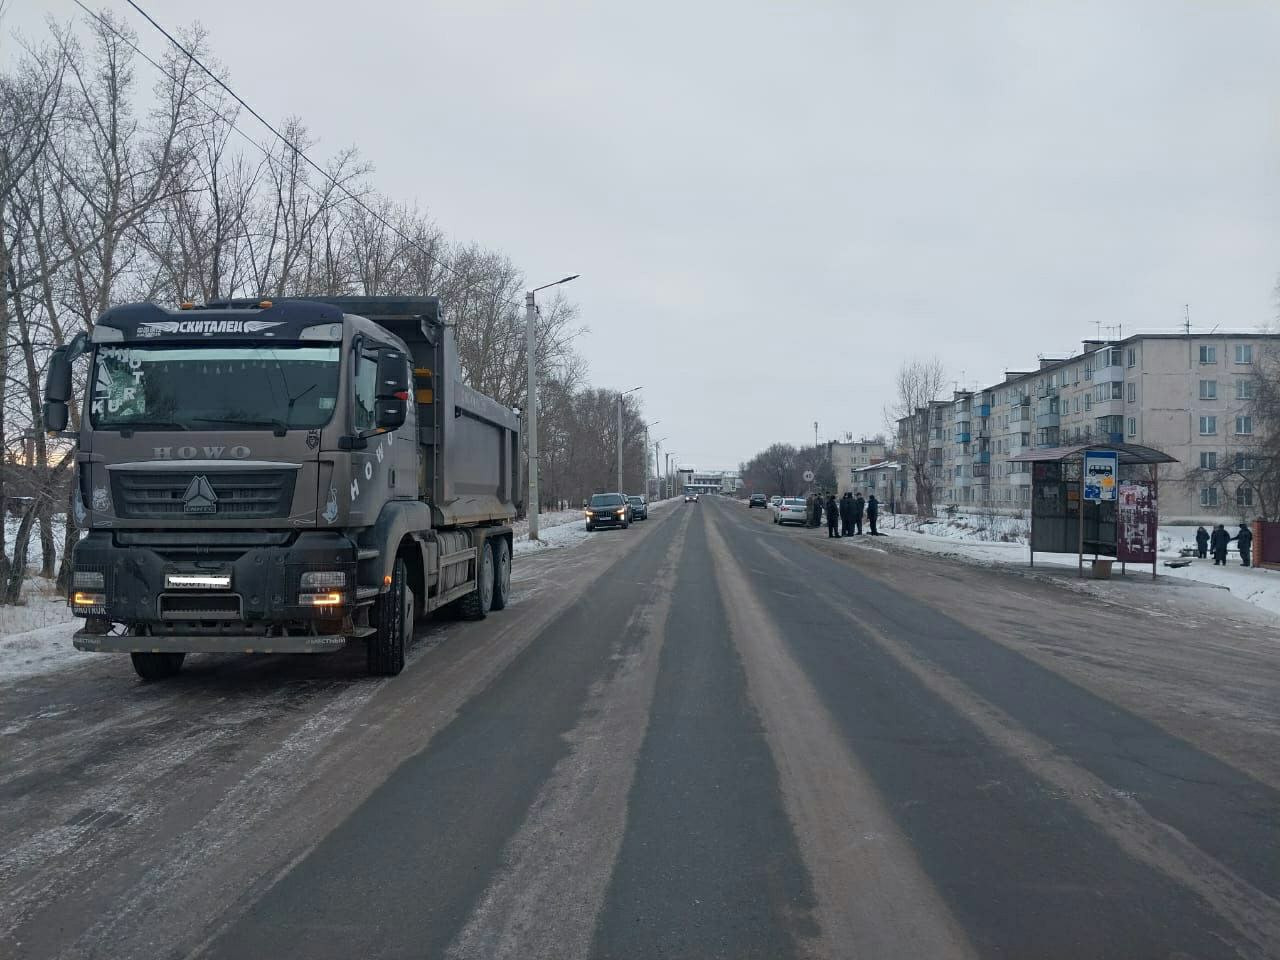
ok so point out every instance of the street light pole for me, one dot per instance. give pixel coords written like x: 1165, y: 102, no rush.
x: 620, y: 396
x: 657, y: 464
x: 531, y: 349
x: 647, y: 426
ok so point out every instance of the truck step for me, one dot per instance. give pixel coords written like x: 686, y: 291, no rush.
x: 366, y: 593
x: 368, y: 553
x: 359, y: 633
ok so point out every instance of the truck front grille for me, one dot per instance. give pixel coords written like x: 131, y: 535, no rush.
x: 239, y: 495
x: 196, y: 606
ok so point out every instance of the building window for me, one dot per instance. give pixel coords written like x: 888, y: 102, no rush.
x: 1076, y: 375
x: 1117, y: 390
x: 1244, y: 496
x: 1113, y: 357
x: 1244, y: 425
x: 1131, y: 357
x: 1208, y: 389
x: 1077, y: 403
x: 1133, y: 392
x: 1208, y: 354
x: 1244, y: 353
x: 1133, y: 427
x: 1244, y: 388
x: 1088, y: 401
x: 1208, y: 460
x: 1208, y: 426
x: 1208, y: 496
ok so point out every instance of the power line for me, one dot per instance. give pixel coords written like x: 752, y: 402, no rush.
x: 283, y: 139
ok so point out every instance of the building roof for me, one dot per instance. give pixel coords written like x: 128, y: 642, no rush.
x: 1129, y: 453
x: 885, y: 465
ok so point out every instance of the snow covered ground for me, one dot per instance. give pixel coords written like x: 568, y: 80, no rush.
x: 35, y: 636
x: 1004, y: 542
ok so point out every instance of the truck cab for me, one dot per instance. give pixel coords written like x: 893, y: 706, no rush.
x: 283, y: 476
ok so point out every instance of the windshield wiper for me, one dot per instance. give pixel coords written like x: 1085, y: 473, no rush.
x: 127, y: 427
x: 278, y: 427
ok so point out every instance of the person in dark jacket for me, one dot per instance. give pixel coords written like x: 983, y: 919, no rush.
x: 846, y: 514
x: 873, y: 511
x: 1218, y: 541
x: 859, y: 505
x: 815, y: 510
x: 1244, y: 540
x: 1202, y: 543
x: 833, y: 516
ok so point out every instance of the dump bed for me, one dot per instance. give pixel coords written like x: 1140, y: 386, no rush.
x: 470, y: 444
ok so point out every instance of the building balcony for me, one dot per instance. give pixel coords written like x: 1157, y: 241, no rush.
x: 1020, y: 479
x: 1045, y: 420
x: 984, y: 410
x: 983, y: 456
x: 964, y: 437
x: 1108, y: 374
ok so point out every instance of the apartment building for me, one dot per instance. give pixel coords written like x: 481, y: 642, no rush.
x: 1185, y: 394
x: 848, y: 458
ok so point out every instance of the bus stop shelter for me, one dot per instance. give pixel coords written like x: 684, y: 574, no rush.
x: 1121, y: 527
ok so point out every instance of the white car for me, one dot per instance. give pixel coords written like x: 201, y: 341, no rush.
x: 791, y: 510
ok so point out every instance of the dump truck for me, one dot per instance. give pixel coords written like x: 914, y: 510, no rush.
x: 288, y: 476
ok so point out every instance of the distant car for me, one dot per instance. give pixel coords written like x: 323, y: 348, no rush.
x: 690, y: 498
x: 639, y: 508
x: 757, y: 500
x: 608, y: 510
x: 791, y: 510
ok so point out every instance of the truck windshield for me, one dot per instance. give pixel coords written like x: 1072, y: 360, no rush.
x: 212, y: 387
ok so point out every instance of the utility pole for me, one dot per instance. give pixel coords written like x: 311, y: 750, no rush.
x: 620, y: 396
x: 647, y: 426
x: 531, y: 350
x: 531, y: 340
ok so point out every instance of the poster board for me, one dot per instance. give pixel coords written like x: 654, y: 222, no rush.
x: 1101, y: 474
x: 1137, y: 516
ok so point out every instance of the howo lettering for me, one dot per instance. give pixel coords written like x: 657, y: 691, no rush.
x: 282, y: 477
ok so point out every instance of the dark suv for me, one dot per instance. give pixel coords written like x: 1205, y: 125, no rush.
x: 758, y: 500
x: 608, y: 510
x: 639, y: 508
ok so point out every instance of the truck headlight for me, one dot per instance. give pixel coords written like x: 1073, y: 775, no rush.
x: 331, y: 598
x: 88, y: 580
x: 82, y: 599
x: 320, y: 579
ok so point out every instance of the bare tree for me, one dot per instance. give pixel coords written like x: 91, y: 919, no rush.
x: 910, y: 418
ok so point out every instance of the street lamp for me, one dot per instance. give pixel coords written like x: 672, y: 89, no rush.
x: 671, y: 490
x: 657, y: 464
x: 531, y: 347
x: 647, y: 428
x: 620, y: 396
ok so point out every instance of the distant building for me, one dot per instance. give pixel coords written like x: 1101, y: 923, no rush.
x: 710, y: 481
x: 887, y: 480
x: 1184, y: 394
x: 848, y: 457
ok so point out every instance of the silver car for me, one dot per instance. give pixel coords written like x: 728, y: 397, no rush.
x: 791, y: 510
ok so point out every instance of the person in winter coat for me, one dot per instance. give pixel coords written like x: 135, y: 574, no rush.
x: 859, y: 505
x: 1244, y: 540
x: 873, y: 511
x: 846, y: 514
x: 815, y: 510
x: 1218, y: 541
x: 1202, y: 543
x: 833, y: 516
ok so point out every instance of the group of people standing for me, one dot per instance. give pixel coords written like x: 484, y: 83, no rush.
x: 845, y: 516
x: 1217, y: 541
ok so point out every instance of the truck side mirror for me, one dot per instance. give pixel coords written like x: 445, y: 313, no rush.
x: 391, y: 402
x: 57, y: 391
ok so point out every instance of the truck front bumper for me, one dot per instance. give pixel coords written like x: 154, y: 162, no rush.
x: 206, y: 643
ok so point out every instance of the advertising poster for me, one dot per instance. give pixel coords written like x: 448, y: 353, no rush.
x: 1136, y: 517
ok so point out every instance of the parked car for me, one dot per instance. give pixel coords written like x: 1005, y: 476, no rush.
x: 608, y: 510
x: 774, y: 501
x: 791, y: 510
x: 757, y: 500
x: 639, y: 508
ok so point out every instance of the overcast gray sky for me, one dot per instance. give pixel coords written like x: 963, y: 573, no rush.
x: 772, y: 205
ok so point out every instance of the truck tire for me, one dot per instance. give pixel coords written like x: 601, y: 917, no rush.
x: 477, y: 604
x: 501, y: 573
x: 386, y: 649
x: 157, y: 666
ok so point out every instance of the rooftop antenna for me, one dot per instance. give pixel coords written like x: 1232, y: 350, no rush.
x: 1186, y: 318
x: 1097, y: 324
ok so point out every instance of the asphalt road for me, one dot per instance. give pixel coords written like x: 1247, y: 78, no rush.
x: 705, y: 736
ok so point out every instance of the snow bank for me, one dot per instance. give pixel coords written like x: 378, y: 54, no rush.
x: 35, y: 637
x: 976, y: 539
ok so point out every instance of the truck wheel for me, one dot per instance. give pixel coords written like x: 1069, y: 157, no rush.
x: 477, y: 604
x: 386, y: 649
x: 501, y: 574
x: 157, y: 666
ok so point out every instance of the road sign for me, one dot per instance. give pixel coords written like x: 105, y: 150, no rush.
x: 1100, y: 474
x: 808, y: 476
